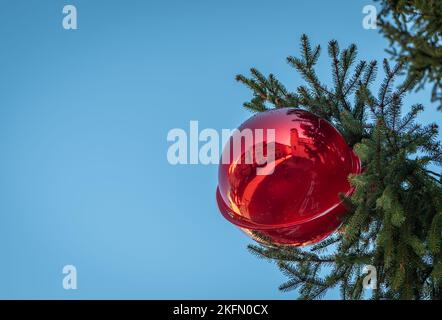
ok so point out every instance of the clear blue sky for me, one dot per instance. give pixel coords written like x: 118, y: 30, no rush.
x: 84, y: 115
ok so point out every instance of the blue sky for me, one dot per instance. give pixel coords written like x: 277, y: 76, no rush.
x: 84, y: 117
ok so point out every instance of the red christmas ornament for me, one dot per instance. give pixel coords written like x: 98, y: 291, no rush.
x: 293, y: 198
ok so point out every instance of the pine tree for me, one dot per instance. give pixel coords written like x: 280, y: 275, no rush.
x: 395, y: 214
x: 414, y: 29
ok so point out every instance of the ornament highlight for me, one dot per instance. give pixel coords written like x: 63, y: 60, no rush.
x: 297, y: 201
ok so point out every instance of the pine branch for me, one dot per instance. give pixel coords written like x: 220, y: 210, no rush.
x: 413, y: 29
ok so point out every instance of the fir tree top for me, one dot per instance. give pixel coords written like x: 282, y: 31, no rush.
x: 395, y: 219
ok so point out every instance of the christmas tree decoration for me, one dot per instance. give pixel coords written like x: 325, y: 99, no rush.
x: 294, y: 198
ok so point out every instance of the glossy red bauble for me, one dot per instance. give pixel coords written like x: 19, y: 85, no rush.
x: 297, y: 202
